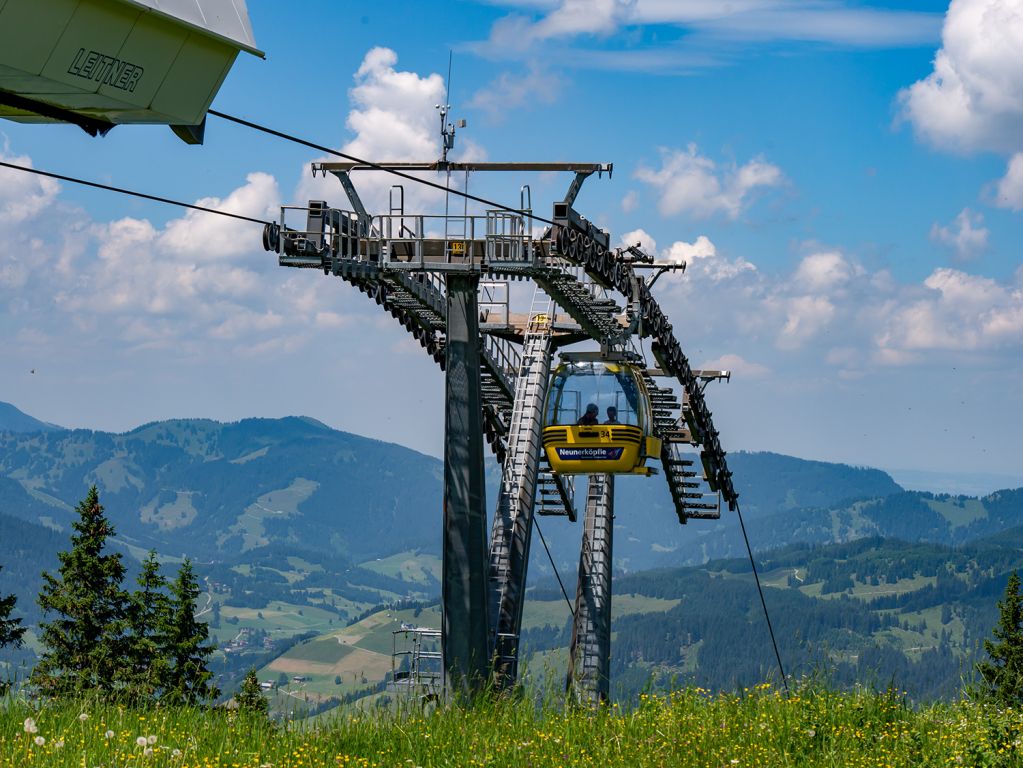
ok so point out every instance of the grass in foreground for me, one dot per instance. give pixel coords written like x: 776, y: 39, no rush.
x: 686, y: 728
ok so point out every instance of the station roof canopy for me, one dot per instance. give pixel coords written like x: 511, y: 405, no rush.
x: 100, y: 63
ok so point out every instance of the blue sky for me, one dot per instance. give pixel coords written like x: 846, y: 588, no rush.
x: 845, y: 180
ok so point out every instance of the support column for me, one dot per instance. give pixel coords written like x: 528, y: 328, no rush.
x: 465, y: 631
x: 589, y: 657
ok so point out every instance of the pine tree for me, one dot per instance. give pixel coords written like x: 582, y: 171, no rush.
x: 188, y: 679
x: 250, y: 696
x: 83, y: 646
x: 148, y: 618
x: 1003, y: 674
x: 10, y: 629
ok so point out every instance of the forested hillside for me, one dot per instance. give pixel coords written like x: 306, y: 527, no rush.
x: 873, y: 611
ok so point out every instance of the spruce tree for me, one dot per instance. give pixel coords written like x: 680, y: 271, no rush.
x: 250, y: 696
x: 148, y: 618
x: 188, y: 679
x: 10, y: 629
x: 1003, y: 674
x: 83, y: 646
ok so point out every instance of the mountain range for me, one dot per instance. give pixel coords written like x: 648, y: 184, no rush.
x: 297, y: 527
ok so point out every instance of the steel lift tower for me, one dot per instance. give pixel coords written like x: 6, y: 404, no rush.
x: 451, y: 291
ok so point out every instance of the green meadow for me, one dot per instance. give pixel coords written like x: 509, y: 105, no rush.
x: 759, y: 727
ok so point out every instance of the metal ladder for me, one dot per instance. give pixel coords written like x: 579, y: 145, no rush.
x: 589, y: 655
x: 513, y: 519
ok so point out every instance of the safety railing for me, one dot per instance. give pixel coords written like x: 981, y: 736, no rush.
x: 493, y: 303
x: 509, y: 237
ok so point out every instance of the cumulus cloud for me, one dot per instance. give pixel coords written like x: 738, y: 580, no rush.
x: 192, y: 286
x: 829, y: 310
x: 393, y: 118
x: 957, y: 311
x: 973, y: 99
x: 682, y: 252
x: 825, y: 271
x: 1009, y: 193
x: 966, y: 237
x: 393, y: 112
x: 641, y: 238
x: 688, y: 182
x: 22, y: 195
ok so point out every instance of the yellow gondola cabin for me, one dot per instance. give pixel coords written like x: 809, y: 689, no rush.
x: 598, y: 419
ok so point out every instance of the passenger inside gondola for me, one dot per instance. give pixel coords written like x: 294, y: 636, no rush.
x: 612, y: 415
x: 590, y: 417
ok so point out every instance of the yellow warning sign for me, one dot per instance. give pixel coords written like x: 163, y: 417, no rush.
x: 458, y: 248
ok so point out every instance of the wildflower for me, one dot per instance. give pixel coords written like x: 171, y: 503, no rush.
x: 141, y: 741
x: 811, y: 733
x: 39, y: 740
x: 58, y: 743
x: 151, y: 740
x: 147, y: 751
x: 175, y: 752
x: 30, y: 725
x: 108, y: 735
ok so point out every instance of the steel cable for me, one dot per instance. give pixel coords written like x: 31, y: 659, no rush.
x: 131, y: 192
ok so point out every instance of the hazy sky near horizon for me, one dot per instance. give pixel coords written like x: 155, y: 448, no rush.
x: 844, y: 179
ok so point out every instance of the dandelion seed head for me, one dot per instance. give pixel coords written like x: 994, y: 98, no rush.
x: 141, y: 741
x: 39, y: 740
x: 108, y: 735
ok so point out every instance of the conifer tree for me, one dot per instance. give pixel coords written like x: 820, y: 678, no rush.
x: 10, y: 629
x: 188, y: 679
x: 148, y: 618
x: 83, y: 646
x: 1003, y: 674
x: 250, y: 696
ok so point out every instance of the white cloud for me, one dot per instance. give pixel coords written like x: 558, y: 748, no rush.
x: 629, y: 201
x: 682, y: 252
x: 218, y: 237
x: 966, y: 237
x: 805, y: 317
x: 973, y: 99
x: 957, y: 311
x: 641, y: 238
x: 701, y: 258
x: 688, y: 182
x: 1009, y: 193
x: 394, y: 119
x: 738, y: 366
x: 571, y: 31
x: 393, y: 112
x: 22, y: 195
x: 829, y: 311
x: 503, y: 97
x: 197, y: 286
x: 823, y: 271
